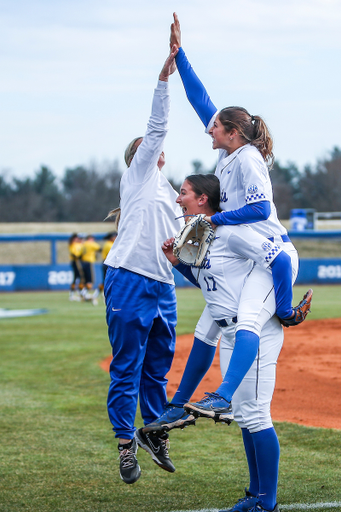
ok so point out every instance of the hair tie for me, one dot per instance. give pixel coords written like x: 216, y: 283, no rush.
x: 252, y: 118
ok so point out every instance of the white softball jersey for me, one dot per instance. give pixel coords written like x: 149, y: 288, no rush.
x: 244, y: 179
x: 148, y: 207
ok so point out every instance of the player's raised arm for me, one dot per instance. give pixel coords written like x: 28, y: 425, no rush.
x: 145, y: 154
x: 195, y: 90
x: 169, y: 66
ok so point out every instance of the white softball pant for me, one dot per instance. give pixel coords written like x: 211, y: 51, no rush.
x: 251, y: 401
x: 207, y: 330
x: 257, y: 301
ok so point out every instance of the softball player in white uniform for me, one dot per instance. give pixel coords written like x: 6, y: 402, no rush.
x: 246, y: 190
x: 246, y: 197
x: 229, y: 261
x: 139, y: 289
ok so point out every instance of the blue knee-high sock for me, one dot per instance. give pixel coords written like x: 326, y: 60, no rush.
x: 198, y: 363
x: 243, y: 355
x: 267, y: 455
x: 251, y: 461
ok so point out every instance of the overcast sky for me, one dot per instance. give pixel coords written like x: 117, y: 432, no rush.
x: 77, y: 77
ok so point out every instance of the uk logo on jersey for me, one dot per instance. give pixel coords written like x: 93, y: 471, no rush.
x: 267, y: 246
x: 223, y: 197
x: 206, y: 264
x: 252, y: 189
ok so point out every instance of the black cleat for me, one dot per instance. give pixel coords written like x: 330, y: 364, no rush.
x: 157, y: 447
x: 130, y: 470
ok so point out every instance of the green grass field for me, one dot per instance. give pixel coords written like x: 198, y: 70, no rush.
x: 58, y: 452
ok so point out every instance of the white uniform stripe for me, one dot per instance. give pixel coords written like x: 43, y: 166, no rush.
x: 311, y: 506
x: 293, y: 506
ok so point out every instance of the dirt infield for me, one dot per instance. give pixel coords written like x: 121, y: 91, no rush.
x: 308, y: 387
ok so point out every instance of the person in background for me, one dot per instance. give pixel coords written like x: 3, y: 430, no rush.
x: 109, y: 240
x: 75, y: 252
x: 90, y: 249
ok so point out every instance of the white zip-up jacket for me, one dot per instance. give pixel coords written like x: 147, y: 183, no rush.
x: 148, y: 207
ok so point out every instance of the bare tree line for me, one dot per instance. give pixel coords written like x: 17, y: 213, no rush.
x: 87, y: 193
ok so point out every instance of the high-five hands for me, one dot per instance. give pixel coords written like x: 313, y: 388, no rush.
x: 175, y: 36
x: 169, y: 66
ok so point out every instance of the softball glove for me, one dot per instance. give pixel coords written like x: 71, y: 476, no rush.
x: 193, y: 240
x: 300, y: 311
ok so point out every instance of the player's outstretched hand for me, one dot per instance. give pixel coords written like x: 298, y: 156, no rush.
x: 175, y: 36
x: 299, y: 312
x: 169, y: 66
x: 167, y: 248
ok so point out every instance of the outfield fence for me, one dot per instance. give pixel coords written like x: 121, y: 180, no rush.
x: 58, y: 276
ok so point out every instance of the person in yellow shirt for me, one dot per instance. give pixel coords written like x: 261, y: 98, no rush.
x: 90, y: 249
x: 75, y: 252
x: 109, y: 240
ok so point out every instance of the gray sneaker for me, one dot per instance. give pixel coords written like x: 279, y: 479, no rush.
x: 130, y: 470
x: 157, y: 447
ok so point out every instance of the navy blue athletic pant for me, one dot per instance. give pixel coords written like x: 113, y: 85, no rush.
x: 141, y: 317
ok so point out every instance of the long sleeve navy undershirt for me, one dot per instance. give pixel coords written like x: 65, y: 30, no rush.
x: 247, y: 214
x: 185, y: 270
x: 282, y: 277
x: 195, y: 90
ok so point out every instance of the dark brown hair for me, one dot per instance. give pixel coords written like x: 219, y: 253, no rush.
x: 252, y: 129
x: 209, y: 185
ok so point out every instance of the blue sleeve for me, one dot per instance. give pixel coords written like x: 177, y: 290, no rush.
x: 186, y: 271
x: 248, y: 214
x: 196, y: 92
x: 282, y: 277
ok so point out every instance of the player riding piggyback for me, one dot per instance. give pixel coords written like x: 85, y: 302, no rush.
x: 245, y: 152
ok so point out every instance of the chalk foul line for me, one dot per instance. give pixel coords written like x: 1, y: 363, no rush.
x: 293, y: 506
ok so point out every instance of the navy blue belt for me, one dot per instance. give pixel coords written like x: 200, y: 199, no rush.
x: 223, y: 323
x: 284, y: 238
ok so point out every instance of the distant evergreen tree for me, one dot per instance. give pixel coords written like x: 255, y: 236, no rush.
x: 91, y: 193
x: 285, y: 183
x: 88, y: 193
x: 320, y: 186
